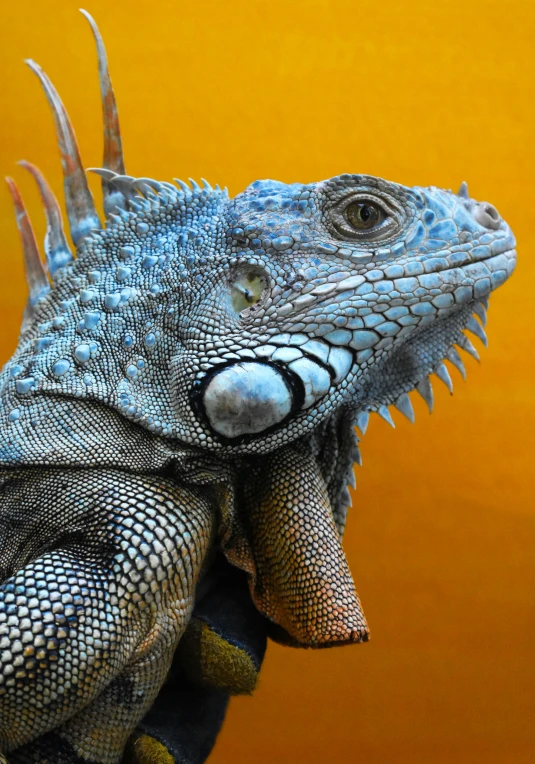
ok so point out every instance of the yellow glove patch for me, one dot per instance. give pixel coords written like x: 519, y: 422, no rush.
x: 210, y: 659
x: 147, y: 750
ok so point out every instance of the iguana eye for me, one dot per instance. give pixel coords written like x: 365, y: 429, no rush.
x: 247, y: 289
x: 363, y: 215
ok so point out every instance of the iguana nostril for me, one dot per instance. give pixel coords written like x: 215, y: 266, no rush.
x: 487, y: 215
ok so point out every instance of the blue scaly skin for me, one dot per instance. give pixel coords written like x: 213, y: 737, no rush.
x: 227, y: 346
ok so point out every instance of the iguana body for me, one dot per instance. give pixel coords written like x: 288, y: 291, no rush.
x: 184, y: 392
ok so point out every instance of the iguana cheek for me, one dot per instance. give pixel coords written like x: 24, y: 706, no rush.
x: 247, y: 398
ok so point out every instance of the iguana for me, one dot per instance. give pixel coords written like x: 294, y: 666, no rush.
x: 178, y: 418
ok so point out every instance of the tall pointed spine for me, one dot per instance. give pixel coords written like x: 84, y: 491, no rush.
x: 425, y: 389
x: 362, y: 421
x: 81, y: 210
x: 113, y: 147
x: 404, y: 405
x: 384, y: 413
x: 57, y: 250
x: 35, y: 271
x: 453, y: 356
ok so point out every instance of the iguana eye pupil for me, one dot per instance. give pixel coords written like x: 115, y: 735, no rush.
x: 362, y: 215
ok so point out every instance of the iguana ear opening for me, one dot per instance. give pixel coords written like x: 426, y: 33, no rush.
x: 298, y: 573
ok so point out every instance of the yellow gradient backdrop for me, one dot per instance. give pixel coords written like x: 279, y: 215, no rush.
x: 441, y: 537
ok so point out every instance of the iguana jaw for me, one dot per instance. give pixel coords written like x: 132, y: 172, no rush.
x: 408, y: 367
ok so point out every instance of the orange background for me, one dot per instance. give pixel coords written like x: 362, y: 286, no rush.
x: 441, y: 538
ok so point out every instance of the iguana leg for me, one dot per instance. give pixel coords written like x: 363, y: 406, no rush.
x: 103, y: 573
x: 299, y: 577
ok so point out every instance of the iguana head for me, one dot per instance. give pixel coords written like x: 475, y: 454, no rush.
x: 347, y: 292
x: 241, y: 324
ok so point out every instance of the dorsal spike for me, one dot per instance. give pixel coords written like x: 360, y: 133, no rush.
x: 168, y: 187
x: 103, y: 172
x: 182, y: 185
x: 443, y: 374
x: 123, y: 185
x: 207, y: 186
x: 463, y: 190
x: 122, y: 214
x: 81, y: 210
x: 153, y: 197
x: 141, y: 185
x: 453, y: 356
x: 35, y: 270
x: 122, y: 179
x: 113, y: 147
x: 195, y: 186
x: 404, y: 405
x: 426, y: 391
x: 57, y: 250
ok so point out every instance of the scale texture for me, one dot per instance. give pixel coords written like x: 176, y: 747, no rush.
x: 177, y: 432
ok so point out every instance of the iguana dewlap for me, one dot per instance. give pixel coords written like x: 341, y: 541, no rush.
x: 185, y: 388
